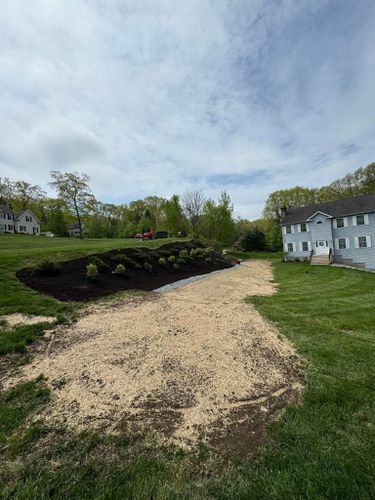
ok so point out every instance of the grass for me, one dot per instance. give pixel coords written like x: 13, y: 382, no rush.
x: 18, y: 251
x: 324, y: 448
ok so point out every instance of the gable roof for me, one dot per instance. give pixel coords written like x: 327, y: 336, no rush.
x: 339, y: 208
x: 18, y: 214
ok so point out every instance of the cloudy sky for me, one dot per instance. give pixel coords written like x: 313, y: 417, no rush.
x: 157, y: 97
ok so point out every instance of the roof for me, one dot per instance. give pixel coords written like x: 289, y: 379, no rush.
x: 339, y: 208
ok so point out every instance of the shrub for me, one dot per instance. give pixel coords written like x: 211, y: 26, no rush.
x: 197, y: 253
x: 164, y: 253
x: 120, y: 269
x: 176, y: 267
x: 47, y: 268
x: 162, y: 262
x: 127, y: 261
x: 171, y: 259
x: 208, y: 251
x: 100, y: 265
x: 184, y: 254
x: 147, y: 267
x: 180, y: 261
x: 92, y: 272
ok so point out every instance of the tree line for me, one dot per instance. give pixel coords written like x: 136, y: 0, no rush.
x: 192, y: 213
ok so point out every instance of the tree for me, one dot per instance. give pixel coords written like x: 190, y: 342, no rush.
x: 6, y: 191
x: 193, y: 203
x: 217, y: 220
x: 73, y: 188
x: 253, y: 240
x: 25, y: 193
x: 174, y: 217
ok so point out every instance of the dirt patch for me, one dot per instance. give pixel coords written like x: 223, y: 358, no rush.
x: 69, y: 282
x: 193, y: 363
x: 12, y: 320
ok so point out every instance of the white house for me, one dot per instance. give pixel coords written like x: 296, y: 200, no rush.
x: 22, y: 222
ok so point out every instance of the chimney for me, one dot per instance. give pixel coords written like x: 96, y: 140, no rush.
x: 283, y: 211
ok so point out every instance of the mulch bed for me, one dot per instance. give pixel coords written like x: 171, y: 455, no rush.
x: 71, y: 283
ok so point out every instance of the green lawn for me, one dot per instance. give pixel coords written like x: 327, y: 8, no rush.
x: 324, y: 448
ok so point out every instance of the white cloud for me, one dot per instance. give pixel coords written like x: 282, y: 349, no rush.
x: 159, y: 97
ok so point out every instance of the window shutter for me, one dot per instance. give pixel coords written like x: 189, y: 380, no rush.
x: 347, y: 242
x: 354, y: 221
x: 368, y: 239
x: 294, y: 247
x: 307, y: 227
x: 309, y: 245
x: 356, y: 243
x: 299, y: 227
x: 366, y: 219
x: 284, y: 229
x: 337, y: 243
x: 285, y: 247
x: 345, y: 222
x: 292, y: 228
x: 300, y: 246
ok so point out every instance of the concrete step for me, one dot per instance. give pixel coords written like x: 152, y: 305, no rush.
x: 320, y: 260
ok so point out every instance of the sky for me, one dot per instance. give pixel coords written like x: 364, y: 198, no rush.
x: 161, y: 97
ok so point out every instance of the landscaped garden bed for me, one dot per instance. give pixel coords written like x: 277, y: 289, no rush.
x: 101, y: 274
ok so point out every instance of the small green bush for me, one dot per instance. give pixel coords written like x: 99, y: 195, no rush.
x: 92, y: 272
x: 184, y: 253
x: 197, y: 253
x: 47, y: 268
x: 181, y: 261
x: 126, y: 261
x: 162, y: 262
x: 164, y: 253
x: 100, y: 265
x: 208, y: 251
x: 176, y: 267
x: 120, y: 269
x: 171, y: 259
x: 147, y: 267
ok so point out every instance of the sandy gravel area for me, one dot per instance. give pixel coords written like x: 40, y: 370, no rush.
x: 18, y: 319
x: 180, y: 363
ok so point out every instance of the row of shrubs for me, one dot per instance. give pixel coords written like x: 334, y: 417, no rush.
x: 172, y: 257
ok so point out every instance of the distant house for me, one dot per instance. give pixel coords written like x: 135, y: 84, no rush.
x: 341, y: 231
x: 73, y: 229
x: 22, y: 222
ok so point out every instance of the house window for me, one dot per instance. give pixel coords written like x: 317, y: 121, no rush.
x: 290, y: 247
x: 342, y: 243
x: 303, y: 227
x: 360, y: 220
x: 340, y: 222
x: 305, y: 246
x: 288, y: 229
x: 10, y: 227
x: 320, y: 222
x: 362, y: 241
x: 9, y: 216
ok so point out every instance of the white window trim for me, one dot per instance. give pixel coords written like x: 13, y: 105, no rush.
x: 307, y: 227
x: 365, y: 217
x: 291, y: 228
x: 368, y: 241
x: 347, y: 243
x: 345, y: 222
x: 286, y: 247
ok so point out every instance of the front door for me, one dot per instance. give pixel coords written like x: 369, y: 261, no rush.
x: 321, y: 247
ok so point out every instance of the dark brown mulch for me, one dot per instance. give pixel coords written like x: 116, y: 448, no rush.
x: 71, y: 284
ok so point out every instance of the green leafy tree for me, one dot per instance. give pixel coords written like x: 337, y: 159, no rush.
x: 253, y: 240
x: 174, y: 217
x: 73, y: 188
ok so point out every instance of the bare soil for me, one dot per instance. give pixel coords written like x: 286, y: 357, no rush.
x: 193, y: 363
x: 71, y: 283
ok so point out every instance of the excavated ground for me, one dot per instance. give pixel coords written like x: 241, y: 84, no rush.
x: 193, y: 363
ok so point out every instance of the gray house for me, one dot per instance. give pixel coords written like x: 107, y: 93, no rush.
x: 22, y: 222
x: 340, y: 231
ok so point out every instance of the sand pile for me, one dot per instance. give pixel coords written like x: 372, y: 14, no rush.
x: 180, y: 363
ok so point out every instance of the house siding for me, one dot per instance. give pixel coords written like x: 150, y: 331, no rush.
x: 327, y: 231
x: 358, y: 255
